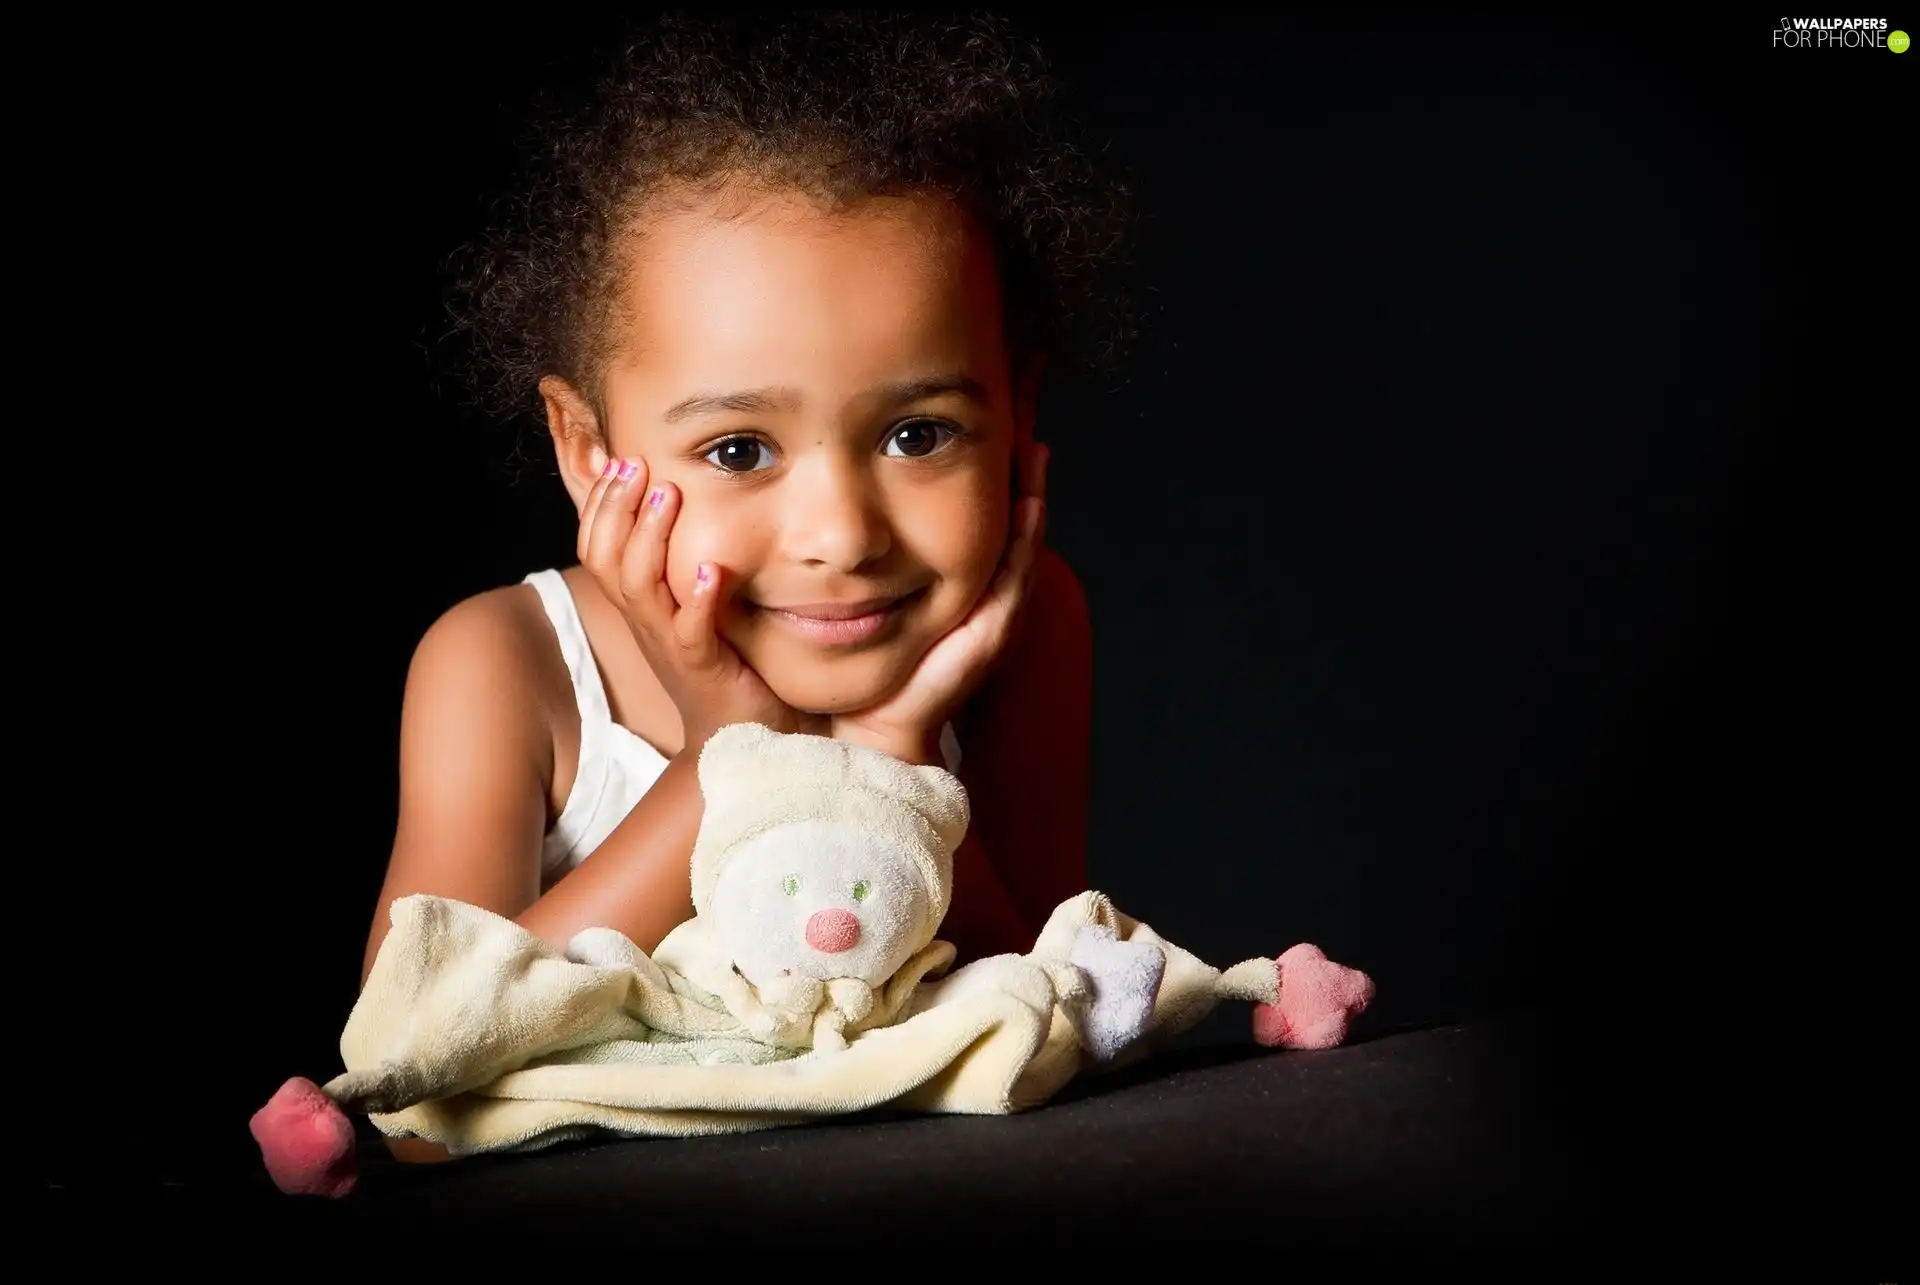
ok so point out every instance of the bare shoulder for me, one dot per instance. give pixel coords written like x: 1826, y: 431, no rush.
x: 488, y: 667
x: 497, y: 642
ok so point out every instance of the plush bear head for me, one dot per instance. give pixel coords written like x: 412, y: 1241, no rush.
x: 817, y: 858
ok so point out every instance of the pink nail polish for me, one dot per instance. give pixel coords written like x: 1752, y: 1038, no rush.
x: 653, y: 501
x: 701, y: 573
x: 613, y: 466
x: 627, y: 469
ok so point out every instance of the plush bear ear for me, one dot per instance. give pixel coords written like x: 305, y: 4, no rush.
x: 933, y: 792
x: 728, y: 760
x: 944, y: 803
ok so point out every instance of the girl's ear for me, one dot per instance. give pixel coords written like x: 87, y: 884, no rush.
x: 577, y: 448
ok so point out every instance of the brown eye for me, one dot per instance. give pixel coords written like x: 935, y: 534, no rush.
x: 919, y: 437
x: 739, y: 455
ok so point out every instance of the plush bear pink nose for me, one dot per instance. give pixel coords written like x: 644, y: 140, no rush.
x: 833, y: 930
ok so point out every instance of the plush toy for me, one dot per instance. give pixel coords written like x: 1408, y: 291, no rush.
x: 809, y: 983
x: 821, y: 874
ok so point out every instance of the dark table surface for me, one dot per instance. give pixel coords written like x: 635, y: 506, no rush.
x: 1459, y: 1143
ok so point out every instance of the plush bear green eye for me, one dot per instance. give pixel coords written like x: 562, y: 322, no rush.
x: 790, y: 885
x: 861, y: 889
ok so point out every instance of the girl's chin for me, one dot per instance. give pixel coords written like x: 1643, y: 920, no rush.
x: 856, y: 683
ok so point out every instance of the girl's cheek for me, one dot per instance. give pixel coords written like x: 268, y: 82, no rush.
x: 700, y: 534
x: 971, y: 532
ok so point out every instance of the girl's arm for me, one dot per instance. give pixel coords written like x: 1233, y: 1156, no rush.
x: 1027, y: 745
x: 476, y: 757
x: 476, y: 760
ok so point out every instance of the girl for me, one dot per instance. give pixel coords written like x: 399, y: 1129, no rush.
x: 784, y: 296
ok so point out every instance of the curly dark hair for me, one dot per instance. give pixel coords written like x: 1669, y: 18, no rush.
x: 837, y: 104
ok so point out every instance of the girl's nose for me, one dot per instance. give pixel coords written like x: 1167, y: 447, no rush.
x: 833, y: 931
x: 833, y: 519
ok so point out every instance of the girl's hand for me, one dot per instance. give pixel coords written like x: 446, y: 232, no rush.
x: 907, y: 724
x: 623, y: 545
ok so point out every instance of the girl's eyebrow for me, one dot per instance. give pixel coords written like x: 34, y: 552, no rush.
x: 769, y: 401
x: 753, y: 401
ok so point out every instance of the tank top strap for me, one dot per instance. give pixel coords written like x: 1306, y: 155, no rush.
x: 589, y: 692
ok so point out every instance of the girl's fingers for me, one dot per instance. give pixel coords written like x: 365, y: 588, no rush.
x: 643, y: 563
x: 1033, y: 471
x: 606, y: 536
x: 977, y: 643
x: 622, y: 543
x: 1028, y: 528
x: 1035, y: 528
x: 694, y: 628
x: 1010, y: 587
x: 591, y: 508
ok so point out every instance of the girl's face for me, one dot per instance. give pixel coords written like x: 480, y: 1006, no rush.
x: 832, y: 395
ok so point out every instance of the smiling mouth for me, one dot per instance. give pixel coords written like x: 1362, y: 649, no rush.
x: 840, y: 624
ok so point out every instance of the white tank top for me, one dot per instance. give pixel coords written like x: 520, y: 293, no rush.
x: 616, y: 766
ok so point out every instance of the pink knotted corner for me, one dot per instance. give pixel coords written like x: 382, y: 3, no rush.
x: 1318, y: 1001
x: 306, y: 1140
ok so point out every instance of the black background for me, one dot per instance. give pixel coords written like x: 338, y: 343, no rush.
x: 1489, y: 548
